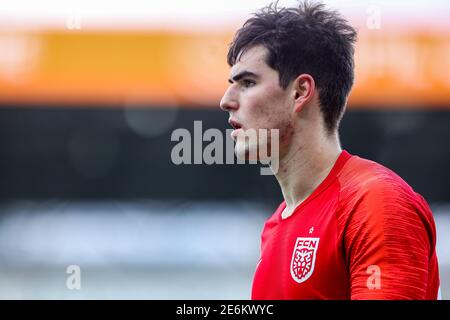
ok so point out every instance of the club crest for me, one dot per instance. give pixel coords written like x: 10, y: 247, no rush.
x: 304, y: 258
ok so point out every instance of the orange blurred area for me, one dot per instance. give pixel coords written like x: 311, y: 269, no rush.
x: 144, y: 68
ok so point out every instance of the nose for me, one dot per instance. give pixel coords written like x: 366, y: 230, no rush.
x: 229, y: 101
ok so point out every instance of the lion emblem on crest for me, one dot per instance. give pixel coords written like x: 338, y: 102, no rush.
x: 304, y: 258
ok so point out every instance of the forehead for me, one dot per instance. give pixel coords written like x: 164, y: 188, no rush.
x: 253, y: 59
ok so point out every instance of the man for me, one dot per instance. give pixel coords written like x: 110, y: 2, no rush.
x: 348, y: 228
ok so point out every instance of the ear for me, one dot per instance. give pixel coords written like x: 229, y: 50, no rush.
x: 304, y: 88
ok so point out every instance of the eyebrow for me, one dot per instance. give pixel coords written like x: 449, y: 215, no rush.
x: 243, y: 74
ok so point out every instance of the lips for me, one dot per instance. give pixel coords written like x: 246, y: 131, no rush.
x: 236, y: 126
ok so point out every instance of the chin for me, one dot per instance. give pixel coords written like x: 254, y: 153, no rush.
x: 251, y: 146
x: 241, y: 151
x: 247, y: 152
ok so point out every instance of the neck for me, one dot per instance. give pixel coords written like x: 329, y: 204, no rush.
x: 304, y: 167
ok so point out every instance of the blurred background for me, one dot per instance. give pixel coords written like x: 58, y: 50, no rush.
x: 90, y: 93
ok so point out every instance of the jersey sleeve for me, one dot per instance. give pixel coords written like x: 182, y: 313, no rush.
x: 389, y: 238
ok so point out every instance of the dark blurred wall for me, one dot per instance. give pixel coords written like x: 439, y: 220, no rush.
x: 126, y: 153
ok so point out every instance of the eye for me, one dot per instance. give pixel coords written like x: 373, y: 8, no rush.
x: 248, y: 83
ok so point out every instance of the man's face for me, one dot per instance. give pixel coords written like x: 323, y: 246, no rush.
x: 256, y: 101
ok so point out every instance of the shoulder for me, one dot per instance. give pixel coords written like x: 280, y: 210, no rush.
x: 369, y: 190
x: 384, y: 223
x: 365, y: 179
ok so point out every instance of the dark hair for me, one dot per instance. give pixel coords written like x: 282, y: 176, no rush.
x: 305, y: 39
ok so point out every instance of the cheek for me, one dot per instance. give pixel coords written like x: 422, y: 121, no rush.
x: 268, y: 112
x: 267, y: 108
x: 279, y: 118
x: 258, y: 106
x: 286, y: 130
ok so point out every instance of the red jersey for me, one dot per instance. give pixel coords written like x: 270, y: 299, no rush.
x: 362, y: 234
